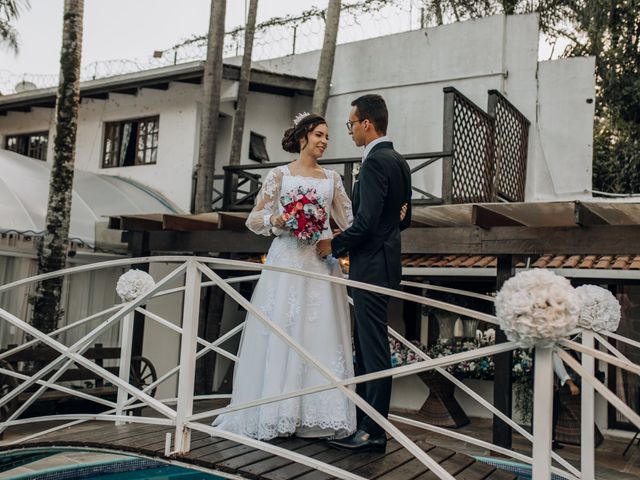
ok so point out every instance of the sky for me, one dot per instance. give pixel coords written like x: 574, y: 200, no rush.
x: 124, y: 29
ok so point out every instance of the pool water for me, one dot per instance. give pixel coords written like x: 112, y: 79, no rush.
x: 163, y: 472
x: 521, y: 469
x: 32, y: 465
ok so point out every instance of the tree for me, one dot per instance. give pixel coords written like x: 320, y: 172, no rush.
x: 9, y: 12
x: 212, y: 84
x: 243, y: 87
x: 611, y: 34
x: 327, y: 56
x: 52, y: 250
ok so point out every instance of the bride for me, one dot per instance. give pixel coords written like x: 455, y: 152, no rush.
x: 313, y: 312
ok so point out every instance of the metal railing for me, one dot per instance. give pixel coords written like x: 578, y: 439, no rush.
x: 241, y: 186
x: 178, y: 412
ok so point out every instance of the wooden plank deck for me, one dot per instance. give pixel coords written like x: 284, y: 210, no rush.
x: 221, y: 455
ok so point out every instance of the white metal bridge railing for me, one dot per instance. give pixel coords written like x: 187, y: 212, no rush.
x: 178, y: 412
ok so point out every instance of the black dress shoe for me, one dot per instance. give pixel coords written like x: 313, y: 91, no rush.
x: 361, y: 441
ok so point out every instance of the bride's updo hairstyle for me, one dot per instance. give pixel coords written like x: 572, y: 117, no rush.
x: 303, y: 124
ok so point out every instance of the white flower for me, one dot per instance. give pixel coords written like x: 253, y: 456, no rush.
x: 600, y: 308
x: 537, y: 308
x: 490, y: 335
x: 134, y: 283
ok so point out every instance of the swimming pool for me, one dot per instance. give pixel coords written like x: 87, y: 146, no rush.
x: 15, y: 466
x: 523, y: 470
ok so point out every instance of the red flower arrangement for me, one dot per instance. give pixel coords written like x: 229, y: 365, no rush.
x: 304, y: 213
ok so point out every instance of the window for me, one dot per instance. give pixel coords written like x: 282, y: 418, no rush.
x: 130, y: 142
x: 258, y: 148
x: 32, y: 145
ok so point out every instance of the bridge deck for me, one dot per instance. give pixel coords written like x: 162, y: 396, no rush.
x: 227, y: 456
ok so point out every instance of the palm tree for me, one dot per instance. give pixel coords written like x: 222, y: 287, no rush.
x: 243, y: 87
x: 325, y: 68
x: 52, y: 250
x: 212, y: 83
x: 9, y: 12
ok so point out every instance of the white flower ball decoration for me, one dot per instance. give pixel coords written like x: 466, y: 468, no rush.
x: 134, y: 283
x: 600, y: 309
x: 536, y: 308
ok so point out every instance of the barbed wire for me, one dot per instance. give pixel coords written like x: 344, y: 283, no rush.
x: 276, y: 37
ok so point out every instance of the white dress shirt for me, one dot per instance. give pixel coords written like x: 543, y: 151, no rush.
x: 372, y: 144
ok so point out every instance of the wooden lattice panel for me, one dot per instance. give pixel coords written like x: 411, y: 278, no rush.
x: 512, y: 134
x: 473, y: 152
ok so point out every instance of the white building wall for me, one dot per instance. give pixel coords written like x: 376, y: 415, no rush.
x: 270, y: 116
x: 411, y: 69
x: 37, y: 120
x: 179, y: 125
x: 171, y: 175
x: 565, y: 123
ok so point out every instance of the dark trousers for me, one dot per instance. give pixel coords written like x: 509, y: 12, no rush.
x: 371, y: 354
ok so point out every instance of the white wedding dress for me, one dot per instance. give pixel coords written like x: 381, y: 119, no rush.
x: 313, y: 312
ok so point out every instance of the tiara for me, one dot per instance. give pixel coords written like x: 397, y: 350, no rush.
x: 299, y: 117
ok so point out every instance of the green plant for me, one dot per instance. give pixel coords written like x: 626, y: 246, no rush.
x: 479, y: 368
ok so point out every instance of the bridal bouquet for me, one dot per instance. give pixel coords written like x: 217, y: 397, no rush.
x: 304, y: 214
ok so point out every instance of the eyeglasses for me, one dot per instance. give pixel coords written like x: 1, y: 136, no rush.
x: 351, y: 122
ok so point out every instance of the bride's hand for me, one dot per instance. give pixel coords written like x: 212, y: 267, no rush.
x: 277, y: 221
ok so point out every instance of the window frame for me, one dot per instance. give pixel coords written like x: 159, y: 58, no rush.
x: 147, y: 149
x: 24, y: 144
x: 263, y: 139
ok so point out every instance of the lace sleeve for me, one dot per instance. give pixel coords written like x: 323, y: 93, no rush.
x: 341, y: 210
x: 266, y: 204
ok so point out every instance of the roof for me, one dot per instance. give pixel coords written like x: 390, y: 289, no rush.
x: 159, y: 78
x: 596, y: 262
x: 24, y: 188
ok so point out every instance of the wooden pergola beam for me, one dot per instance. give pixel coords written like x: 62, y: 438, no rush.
x: 586, y: 217
x: 485, y: 217
x: 139, y: 223
x: 189, y: 223
x: 597, y: 239
x: 222, y: 241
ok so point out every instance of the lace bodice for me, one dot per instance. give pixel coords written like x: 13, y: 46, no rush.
x: 280, y: 180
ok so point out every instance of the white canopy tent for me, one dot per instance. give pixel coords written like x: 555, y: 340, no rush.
x: 24, y: 189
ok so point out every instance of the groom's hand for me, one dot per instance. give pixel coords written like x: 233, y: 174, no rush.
x: 403, y: 211
x: 323, y: 248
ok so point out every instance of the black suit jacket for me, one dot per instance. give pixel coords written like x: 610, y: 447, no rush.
x: 373, y: 241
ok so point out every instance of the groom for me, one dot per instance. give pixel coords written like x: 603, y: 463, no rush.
x: 373, y: 245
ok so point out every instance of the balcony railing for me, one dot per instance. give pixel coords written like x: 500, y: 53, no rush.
x: 484, y: 159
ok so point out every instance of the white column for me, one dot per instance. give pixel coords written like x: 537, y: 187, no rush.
x: 587, y: 413
x: 126, y: 341
x: 542, y: 413
x: 186, y: 382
